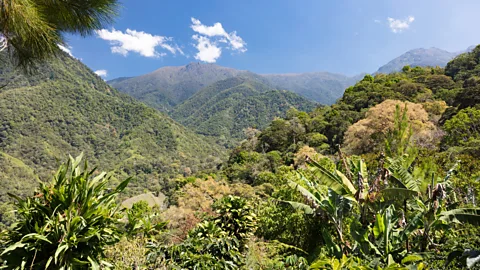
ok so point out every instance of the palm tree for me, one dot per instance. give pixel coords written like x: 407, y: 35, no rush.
x: 32, y: 30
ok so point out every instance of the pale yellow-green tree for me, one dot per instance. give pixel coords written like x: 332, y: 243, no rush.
x: 368, y: 134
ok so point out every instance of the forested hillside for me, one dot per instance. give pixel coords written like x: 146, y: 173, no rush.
x: 227, y: 108
x: 64, y: 108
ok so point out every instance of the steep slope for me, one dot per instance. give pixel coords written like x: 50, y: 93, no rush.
x: 66, y: 109
x: 169, y: 86
x: 225, y: 108
x: 322, y: 87
x: 421, y: 57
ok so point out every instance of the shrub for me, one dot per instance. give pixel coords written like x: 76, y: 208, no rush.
x: 67, y: 223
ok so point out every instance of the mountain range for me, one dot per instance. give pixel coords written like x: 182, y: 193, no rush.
x: 167, y: 87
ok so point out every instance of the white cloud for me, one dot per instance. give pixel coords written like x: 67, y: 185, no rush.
x: 211, y: 31
x: 398, y: 26
x: 139, y: 42
x: 377, y: 21
x: 211, y: 39
x: 66, y: 49
x: 207, y: 51
x: 101, y: 73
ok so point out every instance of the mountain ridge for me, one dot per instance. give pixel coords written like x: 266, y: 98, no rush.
x: 157, y: 88
x: 421, y: 57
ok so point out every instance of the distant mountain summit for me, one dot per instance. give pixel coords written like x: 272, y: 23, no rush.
x: 421, y: 57
x: 168, y: 86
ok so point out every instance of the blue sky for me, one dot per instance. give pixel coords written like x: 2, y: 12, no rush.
x: 275, y: 36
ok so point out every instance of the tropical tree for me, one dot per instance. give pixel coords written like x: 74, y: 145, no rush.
x: 66, y: 224
x: 32, y: 30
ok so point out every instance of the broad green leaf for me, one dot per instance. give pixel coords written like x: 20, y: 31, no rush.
x: 93, y: 263
x: 346, y: 183
x: 462, y: 215
x: 412, y: 259
x: 35, y: 236
x: 306, y: 193
x: 398, y: 194
x: 60, y: 249
x: 300, y: 206
x: 13, y: 247
x: 325, y: 177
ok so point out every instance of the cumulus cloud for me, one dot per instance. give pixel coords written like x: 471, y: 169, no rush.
x: 210, y: 40
x: 139, y: 42
x: 66, y: 49
x: 398, y: 25
x: 207, y: 51
x: 211, y: 31
x: 101, y: 73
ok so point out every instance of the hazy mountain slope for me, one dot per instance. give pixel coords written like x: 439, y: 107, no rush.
x: 169, y: 86
x: 66, y: 109
x: 422, y: 58
x: 322, y: 87
x: 225, y: 108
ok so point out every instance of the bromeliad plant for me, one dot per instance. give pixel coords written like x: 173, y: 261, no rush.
x: 66, y: 224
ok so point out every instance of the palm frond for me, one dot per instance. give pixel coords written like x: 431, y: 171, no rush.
x: 398, y: 194
x: 462, y: 215
x: 402, y: 175
x: 300, y: 206
x: 337, y: 181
